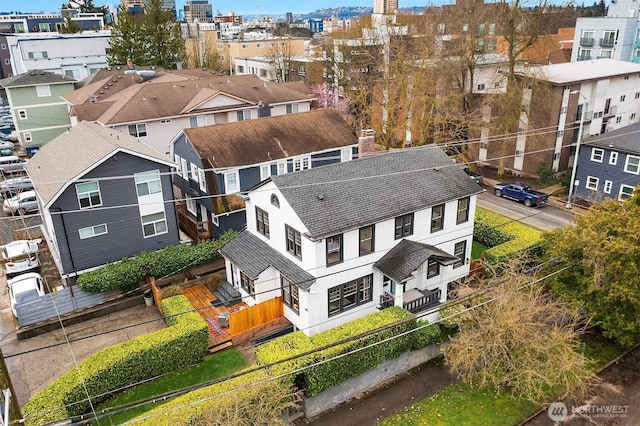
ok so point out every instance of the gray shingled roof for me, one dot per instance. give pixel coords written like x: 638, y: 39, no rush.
x: 626, y: 139
x: 271, y: 138
x: 400, y: 262
x: 252, y: 256
x: 32, y: 78
x: 74, y: 152
x: 339, y: 197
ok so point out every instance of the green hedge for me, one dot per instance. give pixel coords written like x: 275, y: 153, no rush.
x: 505, y: 236
x: 187, y: 408
x: 391, y: 322
x: 182, y: 344
x: 127, y: 274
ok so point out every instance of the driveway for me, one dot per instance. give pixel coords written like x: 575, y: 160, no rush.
x: 33, y: 363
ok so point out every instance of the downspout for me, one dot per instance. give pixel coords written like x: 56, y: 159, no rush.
x: 66, y: 239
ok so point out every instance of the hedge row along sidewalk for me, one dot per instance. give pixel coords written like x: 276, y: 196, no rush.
x: 295, y: 357
x: 182, y: 344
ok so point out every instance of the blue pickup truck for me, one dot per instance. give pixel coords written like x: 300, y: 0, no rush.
x: 521, y: 192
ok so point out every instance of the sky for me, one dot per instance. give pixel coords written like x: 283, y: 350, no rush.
x: 238, y: 6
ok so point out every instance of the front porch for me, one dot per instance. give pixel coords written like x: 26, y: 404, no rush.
x: 413, y: 300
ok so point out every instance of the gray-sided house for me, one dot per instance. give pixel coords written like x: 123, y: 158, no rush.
x: 218, y: 163
x: 104, y: 196
x: 609, y: 165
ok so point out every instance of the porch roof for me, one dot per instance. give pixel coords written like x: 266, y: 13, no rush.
x: 253, y: 256
x: 407, y: 256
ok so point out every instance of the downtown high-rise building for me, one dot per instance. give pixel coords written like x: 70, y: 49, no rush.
x: 385, y: 7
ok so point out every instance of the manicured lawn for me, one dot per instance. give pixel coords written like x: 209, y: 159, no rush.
x: 477, y: 249
x: 214, y: 366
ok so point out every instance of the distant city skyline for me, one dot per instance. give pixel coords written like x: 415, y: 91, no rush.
x: 240, y: 7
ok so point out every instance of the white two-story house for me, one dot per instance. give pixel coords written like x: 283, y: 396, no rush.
x: 341, y: 241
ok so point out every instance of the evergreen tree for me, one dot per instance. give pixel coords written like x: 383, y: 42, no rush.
x: 126, y: 41
x: 162, y: 35
x: 70, y: 26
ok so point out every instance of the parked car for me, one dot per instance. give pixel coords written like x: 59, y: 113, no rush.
x: 11, y: 164
x: 477, y: 177
x: 521, y: 192
x: 20, y: 256
x: 25, y: 288
x: 24, y: 202
x: 12, y: 187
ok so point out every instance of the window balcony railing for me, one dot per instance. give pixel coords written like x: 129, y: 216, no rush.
x: 586, y: 41
x: 607, y: 42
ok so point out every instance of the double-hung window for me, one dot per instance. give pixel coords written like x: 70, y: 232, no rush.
x: 433, y: 268
x: 148, y: 183
x: 367, y: 240
x: 290, y: 294
x: 404, y: 226
x: 334, y: 249
x: 88, y: 194
x: 247, y: 284
x: 460, y: 251
x: 292, y: 108
x: 437, y: 218
x: 294, y: 241
x: 197, y: 121
x: 463, y: 210
x: 597, y: 155
x: 262, y: 221
x: 592, y: 183
x: 626, y: 191
x: 244, y: 114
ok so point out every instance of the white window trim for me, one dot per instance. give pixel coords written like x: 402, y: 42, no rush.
x: 27, y: 137
x: 78, y: 195
x: 282, y: 168
x: 43, y: 91
x: 184, y: 168
x: 164, y: 219
x: 613, y: 158
x: 202, y: 180
x: 22, y: 114
x: 231, y: 188
x: 345, y: 154
x: 300, y: 163
x: 594, y: 155
x: 607, y: 186
x: 626, y: 165
x: 592, y: 183
x: 192, y: 205
x: 92, y: 231
x: 265, y: 171
x: 194, y: 172
x: 215, y: 221
x: 148, y: 178
x: 622, y: 187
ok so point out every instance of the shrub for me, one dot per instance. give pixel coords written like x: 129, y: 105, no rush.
x: 381, y: 325
x: 170, y: 291
x: 182, y: 344
x: 127, y: 274
x: 505, y: 237
x: 450, y: 314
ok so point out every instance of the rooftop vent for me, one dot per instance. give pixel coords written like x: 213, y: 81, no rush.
x: 320, y: 197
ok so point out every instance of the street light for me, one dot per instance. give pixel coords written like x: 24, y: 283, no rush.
x: 575, y: 155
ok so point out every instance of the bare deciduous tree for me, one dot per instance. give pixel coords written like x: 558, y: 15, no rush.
x: 519, y: 338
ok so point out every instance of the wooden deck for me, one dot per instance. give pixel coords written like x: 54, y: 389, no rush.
x: 201, y: 298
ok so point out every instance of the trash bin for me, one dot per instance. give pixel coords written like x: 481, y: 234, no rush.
x: 148, y: 298
x: 223, y: 319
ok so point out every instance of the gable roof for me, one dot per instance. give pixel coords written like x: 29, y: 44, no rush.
x: 241, y: 251
x: 35, y: 77
x: 625, y: 139
x: 271, y: 138
x: 400, y: 262
x: 170, y: 95
x: 73, y: 153
x: 339, y: 197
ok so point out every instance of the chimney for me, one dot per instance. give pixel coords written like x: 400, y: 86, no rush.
x: 366, y: 145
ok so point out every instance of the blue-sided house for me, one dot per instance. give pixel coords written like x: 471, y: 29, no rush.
x: 609, y: 165
x: 216, y: 164
x: 104, y: 196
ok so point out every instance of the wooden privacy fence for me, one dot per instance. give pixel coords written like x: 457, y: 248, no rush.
x: 254, y: 316
x: 156, y: 294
